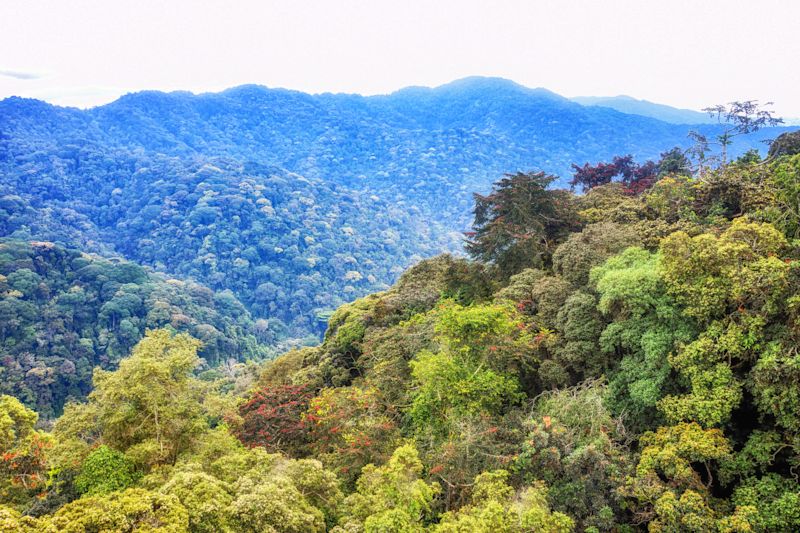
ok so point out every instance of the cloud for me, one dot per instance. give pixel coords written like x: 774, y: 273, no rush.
x: 20, y: 75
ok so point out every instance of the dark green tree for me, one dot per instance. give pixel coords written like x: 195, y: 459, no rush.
x: 519, y: 224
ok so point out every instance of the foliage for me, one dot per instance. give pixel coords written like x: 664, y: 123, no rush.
x: 482, y: 347
x: 62, y: 313
x: 149, y: 408
x: 775, y: 500
x: 495, y: 507
x: 449, y: 390
x: 391, y: 497
x: 634, y: 177
x: 207, y: 500
x: 785, y: 144
x: 105, y: 470
x: 520, y: 222
x: 647, y: 325
x: 131, y: 510
x: 350, y: 427
x: 272, y: 418
x: 594, y: 244
x: 713, y: 276
x: 577, y: 447
x: 23, y: 449
x: 669, y: 489
x: 274, y: 505
x: 785, y: 181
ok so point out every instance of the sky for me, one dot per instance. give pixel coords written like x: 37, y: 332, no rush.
x: 688, y: 54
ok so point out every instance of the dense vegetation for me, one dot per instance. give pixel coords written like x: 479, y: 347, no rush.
x: 619, y: 360
x: 296, y: 203
x: 288, y: 247
x: 63, y: 313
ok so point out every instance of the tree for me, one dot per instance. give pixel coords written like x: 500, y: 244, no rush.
x: 23, y: 463
x: 105, y: 470
x: 577, y: 448
x: 520, y: 222
x: 273, y: 418
x: 591, y: 176
x: 634, y: 177
x: 206, y: 499
x: 350, y: 428
x: 674, y: 163
x: 473, y: 373
x: 713, y: 277
x: 775, y: 500
x: 784, y: 178
x: 786, y: 144
x: 673, y: 478
x: 736, y: 118
x: 646, y: 326
x: 496, y: 507
x: 149, y: 408
x: 128, y: 510
x: 578, y: 254
x: 391, y: 497
x: 275, y: 505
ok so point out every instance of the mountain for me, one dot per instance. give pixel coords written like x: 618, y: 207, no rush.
x: 632, y: 106
x: 612, y: 359
x: 295, y: 202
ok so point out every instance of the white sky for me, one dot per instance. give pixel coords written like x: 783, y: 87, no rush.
x: 686, y: 53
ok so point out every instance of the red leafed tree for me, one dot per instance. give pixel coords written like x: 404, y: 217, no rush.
x: 591, y: 176
x: 27, y: 466
x: 642, y: 178
x: 636, y: 178
x: 273, y: 418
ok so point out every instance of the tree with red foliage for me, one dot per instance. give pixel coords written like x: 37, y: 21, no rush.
x: 273, y: 418
x: 636, y: 178
x: 642, y: 178
x: 591, y: 176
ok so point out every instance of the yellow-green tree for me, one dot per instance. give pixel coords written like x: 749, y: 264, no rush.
x: 391, y: 497
x: 149, y: 408
x: 497, y: 507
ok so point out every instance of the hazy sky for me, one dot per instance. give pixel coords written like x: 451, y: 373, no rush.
x: 689, y: 53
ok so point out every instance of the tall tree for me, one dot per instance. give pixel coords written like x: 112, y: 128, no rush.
x: 519, y: 224
x: 736, y: 118
x: 150, y: 408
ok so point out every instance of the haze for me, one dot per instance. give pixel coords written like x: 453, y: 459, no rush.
x: 682, y: 53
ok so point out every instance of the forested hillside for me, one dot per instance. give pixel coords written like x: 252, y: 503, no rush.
x: 63, y: 313
x: 619, y: 360
x: 297, y: 203
x: 289, y: 247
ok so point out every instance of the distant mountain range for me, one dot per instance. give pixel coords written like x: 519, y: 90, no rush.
x: 295, y: 202
x: 472, y: 129
x: 632, y: 106
x: 665, y: 113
